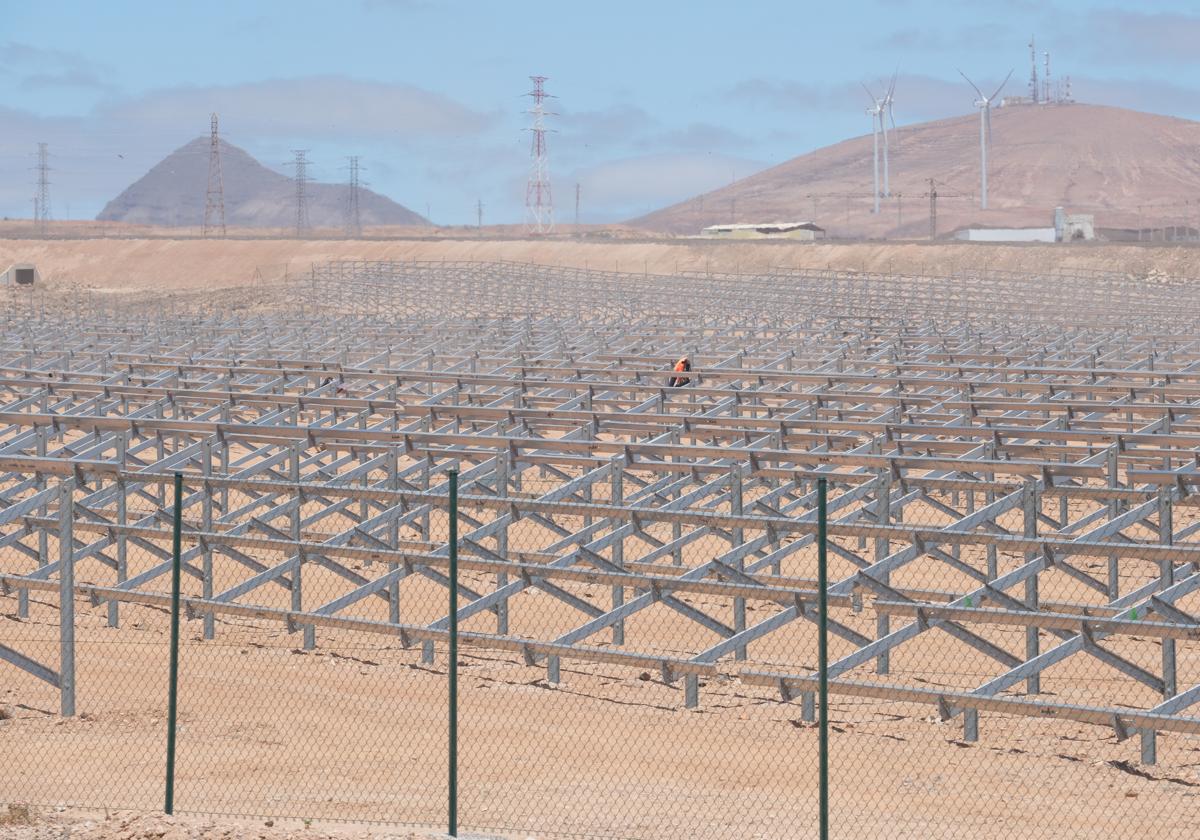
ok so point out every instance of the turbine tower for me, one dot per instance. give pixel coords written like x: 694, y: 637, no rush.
x: 984, y: 104
x: 880, y: 113
x: 886, y: 106
x: 875, y: 112
x: 539, y: 203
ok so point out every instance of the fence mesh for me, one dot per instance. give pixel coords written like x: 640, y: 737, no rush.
x: 1011, y: 557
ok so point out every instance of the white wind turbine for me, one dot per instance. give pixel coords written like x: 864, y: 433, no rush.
x: 984, y: 104
x: 875, y: 112
x: 885, y: 106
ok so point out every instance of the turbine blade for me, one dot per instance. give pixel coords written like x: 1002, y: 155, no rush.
x: 1002, y: 84
x: 870, y: 95
x: 892, y: 87
x: 972, y: 84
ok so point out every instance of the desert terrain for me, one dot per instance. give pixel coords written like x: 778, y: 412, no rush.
x: 128, y: 263
x: 354, y: 728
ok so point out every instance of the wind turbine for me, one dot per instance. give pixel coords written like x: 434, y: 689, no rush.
x: 875, y: 112
x: 984, y: 104
x: 885, y: 106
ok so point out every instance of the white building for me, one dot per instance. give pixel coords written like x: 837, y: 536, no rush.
x: 1068, y: 227
x: 1007, y: 234
x: 804, y: 231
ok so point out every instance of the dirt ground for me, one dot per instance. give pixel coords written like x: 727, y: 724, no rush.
x: 22, y: 822
x: 165, y: 265
x: 356, y: 730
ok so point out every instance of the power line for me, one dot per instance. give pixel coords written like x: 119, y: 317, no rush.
x: 539, y: 203
x: 41, y: 203
x: 353, y: 217
x: 301, y: 177
x: 214, y: 196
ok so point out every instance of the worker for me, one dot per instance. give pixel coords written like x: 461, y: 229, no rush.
x: 684, y: 364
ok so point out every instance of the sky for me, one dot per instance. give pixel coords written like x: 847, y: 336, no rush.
x: 654, y: 101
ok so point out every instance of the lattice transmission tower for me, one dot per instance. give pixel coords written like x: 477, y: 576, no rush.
x: 41, y: 204
x: 301, y: 162
x: 539, y: 202
x: 214, y: 196
x: 353, y: 216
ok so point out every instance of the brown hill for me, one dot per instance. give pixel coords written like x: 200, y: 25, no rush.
x: 172, y: 193
x: 1130, y: 169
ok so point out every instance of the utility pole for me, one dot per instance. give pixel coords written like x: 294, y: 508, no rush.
x: 301, y: 163
x: 932, y: 210
x: 577, y: 190
x: 539, y: 202
x: 214, y: 196
x: 1033, y: 77
x: 42, y: 201
x: 353, y: 217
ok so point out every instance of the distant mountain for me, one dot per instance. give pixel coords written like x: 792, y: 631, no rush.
x: 1128, y: 168
x: 172, y: 193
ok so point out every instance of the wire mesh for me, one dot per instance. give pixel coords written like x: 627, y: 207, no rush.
x: 1011, y: 557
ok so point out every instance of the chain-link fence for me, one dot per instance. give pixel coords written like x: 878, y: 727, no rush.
x: 638, y: 650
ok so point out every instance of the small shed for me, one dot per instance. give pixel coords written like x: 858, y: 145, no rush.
x: 20, y: 274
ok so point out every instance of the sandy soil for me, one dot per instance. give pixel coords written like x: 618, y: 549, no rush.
x: 356, y: 729
x: 192, y: 264
x: 21, y: 822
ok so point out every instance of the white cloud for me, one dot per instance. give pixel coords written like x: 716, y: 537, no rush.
x: 320, y: 106
x: 1119, y: 34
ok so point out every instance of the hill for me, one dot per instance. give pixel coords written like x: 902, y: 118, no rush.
x: 1130, y: 169
x: 172, y: 193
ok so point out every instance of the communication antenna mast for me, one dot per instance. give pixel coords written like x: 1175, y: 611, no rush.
x: 577, y: 191
x: 1047, y: 94
x: 984, y: 104
x: 214, y: 196
x: 353, y: 218
x: 1033, y: 77
x: 41, y: 212
x: 479, y: 212
x: 539, y: 203
x: 301, y: 163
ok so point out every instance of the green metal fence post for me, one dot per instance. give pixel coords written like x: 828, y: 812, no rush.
x: 453, y: 671
x: 173, y: 687
x: 823, y: 657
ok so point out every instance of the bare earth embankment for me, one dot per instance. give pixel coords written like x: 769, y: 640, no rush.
x: 197, y: 264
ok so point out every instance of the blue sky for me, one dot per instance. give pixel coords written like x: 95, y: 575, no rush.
x: 657, y: 101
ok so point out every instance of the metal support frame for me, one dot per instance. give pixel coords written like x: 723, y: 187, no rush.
x: 327, y: 440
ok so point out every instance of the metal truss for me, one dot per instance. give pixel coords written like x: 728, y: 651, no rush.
x: 1029, y: 443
